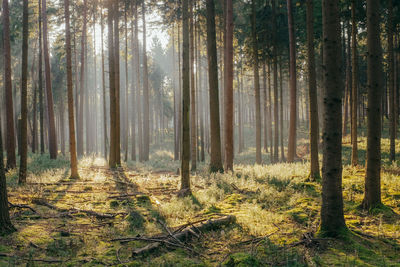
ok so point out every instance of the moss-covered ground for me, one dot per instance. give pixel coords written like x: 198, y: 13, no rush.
x: 275, y: 202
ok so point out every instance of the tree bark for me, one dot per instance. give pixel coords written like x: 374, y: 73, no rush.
x: 103, y: 82
x: 10, y: 140
x: 354, y: 87
x: 146, y: 127
x: 256, y: 83
x: 49, y: 93
x: 40, y: 79
x: 112, y: 85
x: 117, y: 144
x: 392, y: 113
x: 332, y: 218
x: 372, y: 193
x: 229, y: 111
x: 293, y: 98
x: 71, y: 122
x: 216, y: 160
x: 185, y: 174
x: 193, y: 118
x: 6, y: 226
x: 276, y: 102
x: 24, y: 95
x: 312, y: 93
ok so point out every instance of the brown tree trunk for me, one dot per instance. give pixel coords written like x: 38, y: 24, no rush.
x: 40, y: 79
x: 266, y: 120
x: 276, y: 103
x: 126, y: 115
x: 49, y: 93
x: 392, y: 113
x: 71, y: 122
x: 103, y: 82
x: 281, y: 110
x: 312, y: 93
x: 185, y: 174
x: 10, y: 140
x: 6, y: 226
x: 229, y: 87
x: 193, y: 122
x: 146, y: 127
x: 112, y: 84
x: 293, y: 98
x: 256, y: 84
x: 134, y: 89
x: 354, y: 87
x: 348, y: 83
x: 372, y: 193
x: 216, y: 160
x: 24, y: 96
x: 117, y: 145
x: 138, y: 87
x: 332, y: 218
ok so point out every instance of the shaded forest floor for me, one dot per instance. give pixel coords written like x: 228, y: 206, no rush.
x: 275, y: 202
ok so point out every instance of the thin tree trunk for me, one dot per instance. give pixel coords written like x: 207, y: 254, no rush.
x: 293, y: 98
x: 111, y: 66
x: 134, y: 89
x: 354, y: 87
x: 229, y: 111
x: 126, y: 115
x: 146, y: 127
x: 312, y: 93
x: 103, y: 82
x: 71, y: 122
x: 24, y: 96
x: 193, y: 124
x: 256, y: 84
x: 391, y: 81
x: 372, y: 193
x: 185, y: 174
x: 138, y: 87
x: 265, y: 108
x: 10, y: 140
x: 281, y: 111
x: 82, y: 86
x: 332, y: 218
x: 276, y: 97
x: 216, y: 160
x: 40, y: 74
x: 49, y: 93
x: 117, y: 145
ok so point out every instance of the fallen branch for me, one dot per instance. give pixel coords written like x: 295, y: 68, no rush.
x: 21, y: 206
x: 255, y: 240
x: 127, y: 195
x: 185, y: 234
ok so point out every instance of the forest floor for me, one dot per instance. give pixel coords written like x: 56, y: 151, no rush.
x: 274, y: 202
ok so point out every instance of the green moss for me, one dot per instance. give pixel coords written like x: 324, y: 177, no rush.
x: 241, y: 260
x: 135, y: 220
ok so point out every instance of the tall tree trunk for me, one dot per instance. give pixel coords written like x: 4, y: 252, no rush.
x: 71, y: 122
x: 229, y: 111
x: 40, y: 79
x: 256, y: 83
x: 332, y: 218
x: 293, y: 98
x: 354, y: 87
x: 392, y: 113
x: 117, y: 146
x: 146, y: 127
x: 82, y: 86
x: 112, y: 84
x: 240, y: 111
x: 281, y: 110
x: 103, y: 82
x: 179, y: 95
x: 216, y: 160
x: 348, y: 82
x: 10, y: 140
x: 185, y: 174
x: 6, y: 226
x: 49, y: 93
x: 266, y: 121
x: 24, y: 96
x: 193, y: 124
x: 176, y: 140
x: 372, y: 193
x: 276, y: 104
x: 138, y: 87
x: 134, y: 89
x: 312, y: 93
x: 126, y: 115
